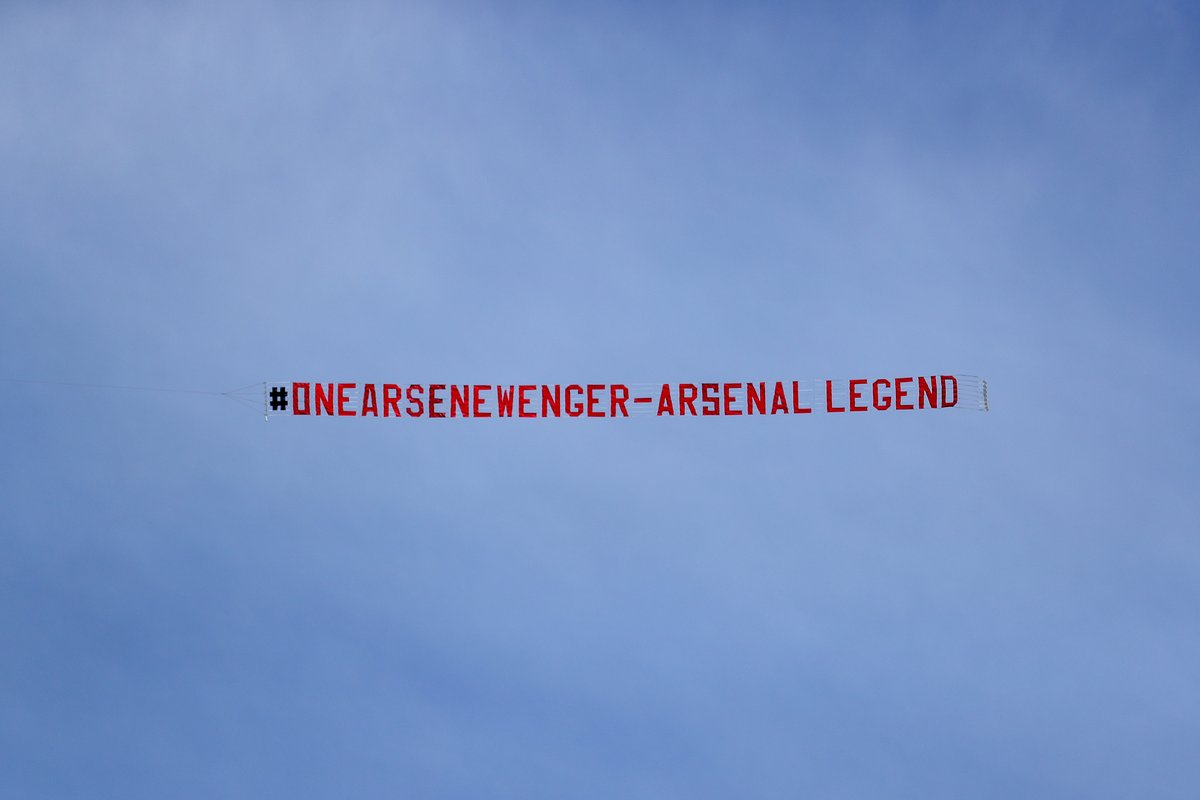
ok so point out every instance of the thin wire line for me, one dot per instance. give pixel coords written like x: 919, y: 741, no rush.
x: 257, y: 386
x: 111, y: 386
x: 243, y: 401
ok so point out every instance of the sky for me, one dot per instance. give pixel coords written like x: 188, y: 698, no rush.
x: 198, y: 603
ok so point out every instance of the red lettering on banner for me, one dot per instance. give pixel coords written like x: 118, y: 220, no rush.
x: 391, y: 399
x: 415, y: 400
x: 687, y: 399
x: 618, y: 393
x: 593, y: 399
x: 576, y: 400
x: 344, y: 400
x: 370, y: 402
x: 435, y: 400
x: 796, y: 407
x: 881, y: 403
x: 779, y: 399
x: 416, y: 405
x: 728, y: 400
x: 459, y: 398
x: 829, y: 406
x: 504, y: 401
x: 856, y: 395
x: 665, y: 406
x: 574, y: 407
x: 551, y: 403
x: 756, y: 398
x: 524, y: 401
x: 900, y: 395
x: 323, y: 398
x: 478, y: 400
x: 711, y: 402
x: 954, y: 384
x: 927, y: 391
x: 296, y: 395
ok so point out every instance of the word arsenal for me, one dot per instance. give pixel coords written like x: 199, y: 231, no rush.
x: 438, y: 400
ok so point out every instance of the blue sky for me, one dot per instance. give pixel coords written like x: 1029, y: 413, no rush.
x: 196, y: 603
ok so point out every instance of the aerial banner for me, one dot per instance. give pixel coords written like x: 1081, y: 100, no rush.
x: 786, y: 398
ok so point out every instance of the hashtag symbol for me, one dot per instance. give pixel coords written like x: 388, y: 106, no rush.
x: 278, y: 398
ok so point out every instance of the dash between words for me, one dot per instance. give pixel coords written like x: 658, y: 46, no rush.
x: 528, y: 401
